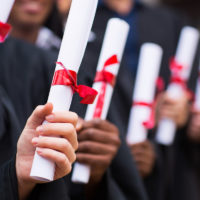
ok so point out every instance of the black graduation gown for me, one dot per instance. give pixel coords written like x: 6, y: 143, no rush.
x: 25, y: 73
x: 9, y: 130
x: 162, y: 27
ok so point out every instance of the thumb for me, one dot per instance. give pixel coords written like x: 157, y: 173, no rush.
x: 38, y: 115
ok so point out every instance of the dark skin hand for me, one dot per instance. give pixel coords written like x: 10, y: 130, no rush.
x: 98, y: 144
x: 175, y: 109
x: 144, y: 156
x: 193, y: 131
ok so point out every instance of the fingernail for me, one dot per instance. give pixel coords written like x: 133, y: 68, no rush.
x: 39, y: 129
x: 39, y: 151
x: 50, y: 117
x: 35, y: 141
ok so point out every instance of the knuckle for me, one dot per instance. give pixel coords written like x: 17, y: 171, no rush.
x: 75, y: 145
x: 73, y: 157
x: 86, y: 146
x: 74, y: 117
x: 90, y: 133
x: 97, y: 122
x: 64, y: 144
x: 69, y: 127
x: 67, y: 168
x: 69, y: 130
x: 62, y: 159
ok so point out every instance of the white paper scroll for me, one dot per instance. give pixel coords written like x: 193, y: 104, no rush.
x: 197, y: 93
x: 72, y: 49
x: 5, y: 8
x: 144, y: 91
x: 185, y: 55
x: 113, y: 44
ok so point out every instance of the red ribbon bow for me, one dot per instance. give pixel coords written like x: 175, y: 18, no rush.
x: 69, y: 78
x: 150, y: 123
x: 176, y: 69
x: 4, y: 30
x: 106, y: 78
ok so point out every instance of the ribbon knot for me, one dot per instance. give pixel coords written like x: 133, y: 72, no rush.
x: 4, y: 30
x: 176, y: 70
x: 69, y: 78
x: 175, y: 67
x: 106, y: 78
x: 150, y: 123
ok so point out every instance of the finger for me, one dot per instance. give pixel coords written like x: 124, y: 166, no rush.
x: 96, y: 148
x: 147, y: 160
x: 96, y: 135
x: 93, y: 160
x: 38, y: 115
x: 141, y: 152
x: 141, y: 155
x: 79, y: 124
x: 65, y: 130
x: 146, y: 144
x: 168, y: 100
x: 168, y: 113
x: 57, y: 144
x: 100, y: 124
x: 61, y: 160
x: 63, y: 117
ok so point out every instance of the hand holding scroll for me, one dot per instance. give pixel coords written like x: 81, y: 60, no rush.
x: 175, y: 109
x: 144, y: 156
x: 98, y: 144
x: 59, y: 149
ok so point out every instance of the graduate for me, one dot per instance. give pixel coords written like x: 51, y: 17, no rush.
x: 30, y: 21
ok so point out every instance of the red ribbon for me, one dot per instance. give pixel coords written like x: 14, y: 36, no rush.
x: 176, y: 69
x: 69, y: 78
x: 4, y: 30
x: 106, y: 78
x: 160, y: 85
x: 150, y: 123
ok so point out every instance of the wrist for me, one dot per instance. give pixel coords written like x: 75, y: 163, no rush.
x: 25, y: 184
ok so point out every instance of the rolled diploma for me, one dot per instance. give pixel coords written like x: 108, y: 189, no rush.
x: 144, y: 91
x: 185, y: 54
x: 114, y: 43
x: 5, y: 8
x: 73, y: 45
x: 197, y: 93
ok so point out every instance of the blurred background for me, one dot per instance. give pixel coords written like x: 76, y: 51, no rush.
x: 189, y: 7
